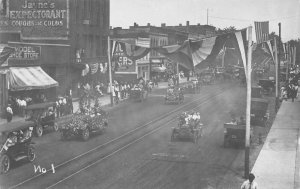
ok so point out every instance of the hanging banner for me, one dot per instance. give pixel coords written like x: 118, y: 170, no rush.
x: 121, y: 62
x: 36, y: 19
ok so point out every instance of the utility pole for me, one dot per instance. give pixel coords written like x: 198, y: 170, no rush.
x: 278, y: 65
x: 206, y: 16
x: 248, y: 108
x: 276, y: 77
x: 109, y: 71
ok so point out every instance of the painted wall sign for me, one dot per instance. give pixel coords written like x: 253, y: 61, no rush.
x: 26, y: 52
x: 35, y: 19
x: 125, y: 65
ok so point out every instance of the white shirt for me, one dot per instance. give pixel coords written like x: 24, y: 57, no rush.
x: 9, y: 110
x: 247, y: 185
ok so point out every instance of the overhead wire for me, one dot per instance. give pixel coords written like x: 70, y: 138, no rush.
x: 246, y: 20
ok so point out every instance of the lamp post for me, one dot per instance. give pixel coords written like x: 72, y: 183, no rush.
x: 109, y: 71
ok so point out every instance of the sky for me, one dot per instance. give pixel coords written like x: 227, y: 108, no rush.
x: 221, y: 13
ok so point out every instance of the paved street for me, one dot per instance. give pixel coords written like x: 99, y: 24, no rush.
x: 136, y: 151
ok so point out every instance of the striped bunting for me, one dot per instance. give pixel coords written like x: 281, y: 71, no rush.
x: 202, y: 49
x: 5, y: 51
x: 28, y: 78
x: 193, y: 53
x: 133, y: 49
x: 143, y: 42
x: 262, y: 31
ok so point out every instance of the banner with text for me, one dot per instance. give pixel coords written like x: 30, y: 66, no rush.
x: 121, y: 62
x: 36, y: 19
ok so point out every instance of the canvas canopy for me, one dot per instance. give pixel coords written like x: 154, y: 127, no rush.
x: 28, y: 78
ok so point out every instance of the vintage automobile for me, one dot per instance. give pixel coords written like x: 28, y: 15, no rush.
x: 189, y: 130
x: 256, y: 92
x: 259, y: 112
x: 84, y: 124
x: 43, y: 115
x: 138, y: 94
x: 16, y: 143
x: 268, y: 85
x: 174, y: 95
x: 207, y: 77
x: 234, y: 134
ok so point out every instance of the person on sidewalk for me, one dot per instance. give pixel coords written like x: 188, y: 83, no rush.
x: 9, y: 113
x: 250, y: 183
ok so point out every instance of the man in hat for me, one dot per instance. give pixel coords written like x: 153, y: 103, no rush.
x: 9, y: 113
x: 250, y: 183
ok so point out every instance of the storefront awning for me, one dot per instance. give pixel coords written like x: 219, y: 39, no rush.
x: 28, y: 78
x: 158, y: 69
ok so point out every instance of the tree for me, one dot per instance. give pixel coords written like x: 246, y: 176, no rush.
x: 229, y: 29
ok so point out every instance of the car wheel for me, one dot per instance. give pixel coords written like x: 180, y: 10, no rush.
x: 39, y: 130
x: 85, y: 134
x: 5, y: 164
x: 55, y: 127
x: 30, y: 154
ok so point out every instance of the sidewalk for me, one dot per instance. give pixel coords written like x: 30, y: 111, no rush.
x: 104, y: 102
x: 277, y: 165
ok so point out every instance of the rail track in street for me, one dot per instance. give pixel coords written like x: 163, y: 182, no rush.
x: 104, y: 151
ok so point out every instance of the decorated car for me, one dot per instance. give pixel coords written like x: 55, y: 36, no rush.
x: 189, y: 127
x: 174, y: 95
x: 138, y: 93
x: 83, y: 124
x: 43, y: 115
x: 16, y: 145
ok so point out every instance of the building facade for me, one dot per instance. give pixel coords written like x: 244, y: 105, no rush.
x: 161, y: 36
x: 51, y: 34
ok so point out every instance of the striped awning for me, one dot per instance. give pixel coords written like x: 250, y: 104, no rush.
x: 28, y: 78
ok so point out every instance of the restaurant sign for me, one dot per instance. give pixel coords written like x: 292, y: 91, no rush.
x: 35, y: 19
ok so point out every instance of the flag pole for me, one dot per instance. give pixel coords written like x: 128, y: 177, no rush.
x: 276, y: 76
x: 288, y: 63
x: 294, y: 58
x: 248, y: 108
x: 109, y: 71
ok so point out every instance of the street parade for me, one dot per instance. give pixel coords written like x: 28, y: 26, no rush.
x: 144, y: 94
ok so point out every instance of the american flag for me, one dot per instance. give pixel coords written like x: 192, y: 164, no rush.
x: 5, y: 51
x: 262, y: 31
x: 143, y: 42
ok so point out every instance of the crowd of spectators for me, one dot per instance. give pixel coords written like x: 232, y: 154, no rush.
x: 290, y: 88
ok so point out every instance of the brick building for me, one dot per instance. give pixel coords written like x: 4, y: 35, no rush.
x: 161, y: 36
x: 55, y: 31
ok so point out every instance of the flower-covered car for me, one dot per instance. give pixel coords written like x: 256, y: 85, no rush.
x: 83, y: 124
x: 174, y: 94
x: 189, y: 127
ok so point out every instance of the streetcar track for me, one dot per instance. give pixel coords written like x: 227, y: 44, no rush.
x: 125, y: 146
x: 160, y: 118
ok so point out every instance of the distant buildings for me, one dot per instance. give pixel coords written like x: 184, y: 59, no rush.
x: 161, y: 36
